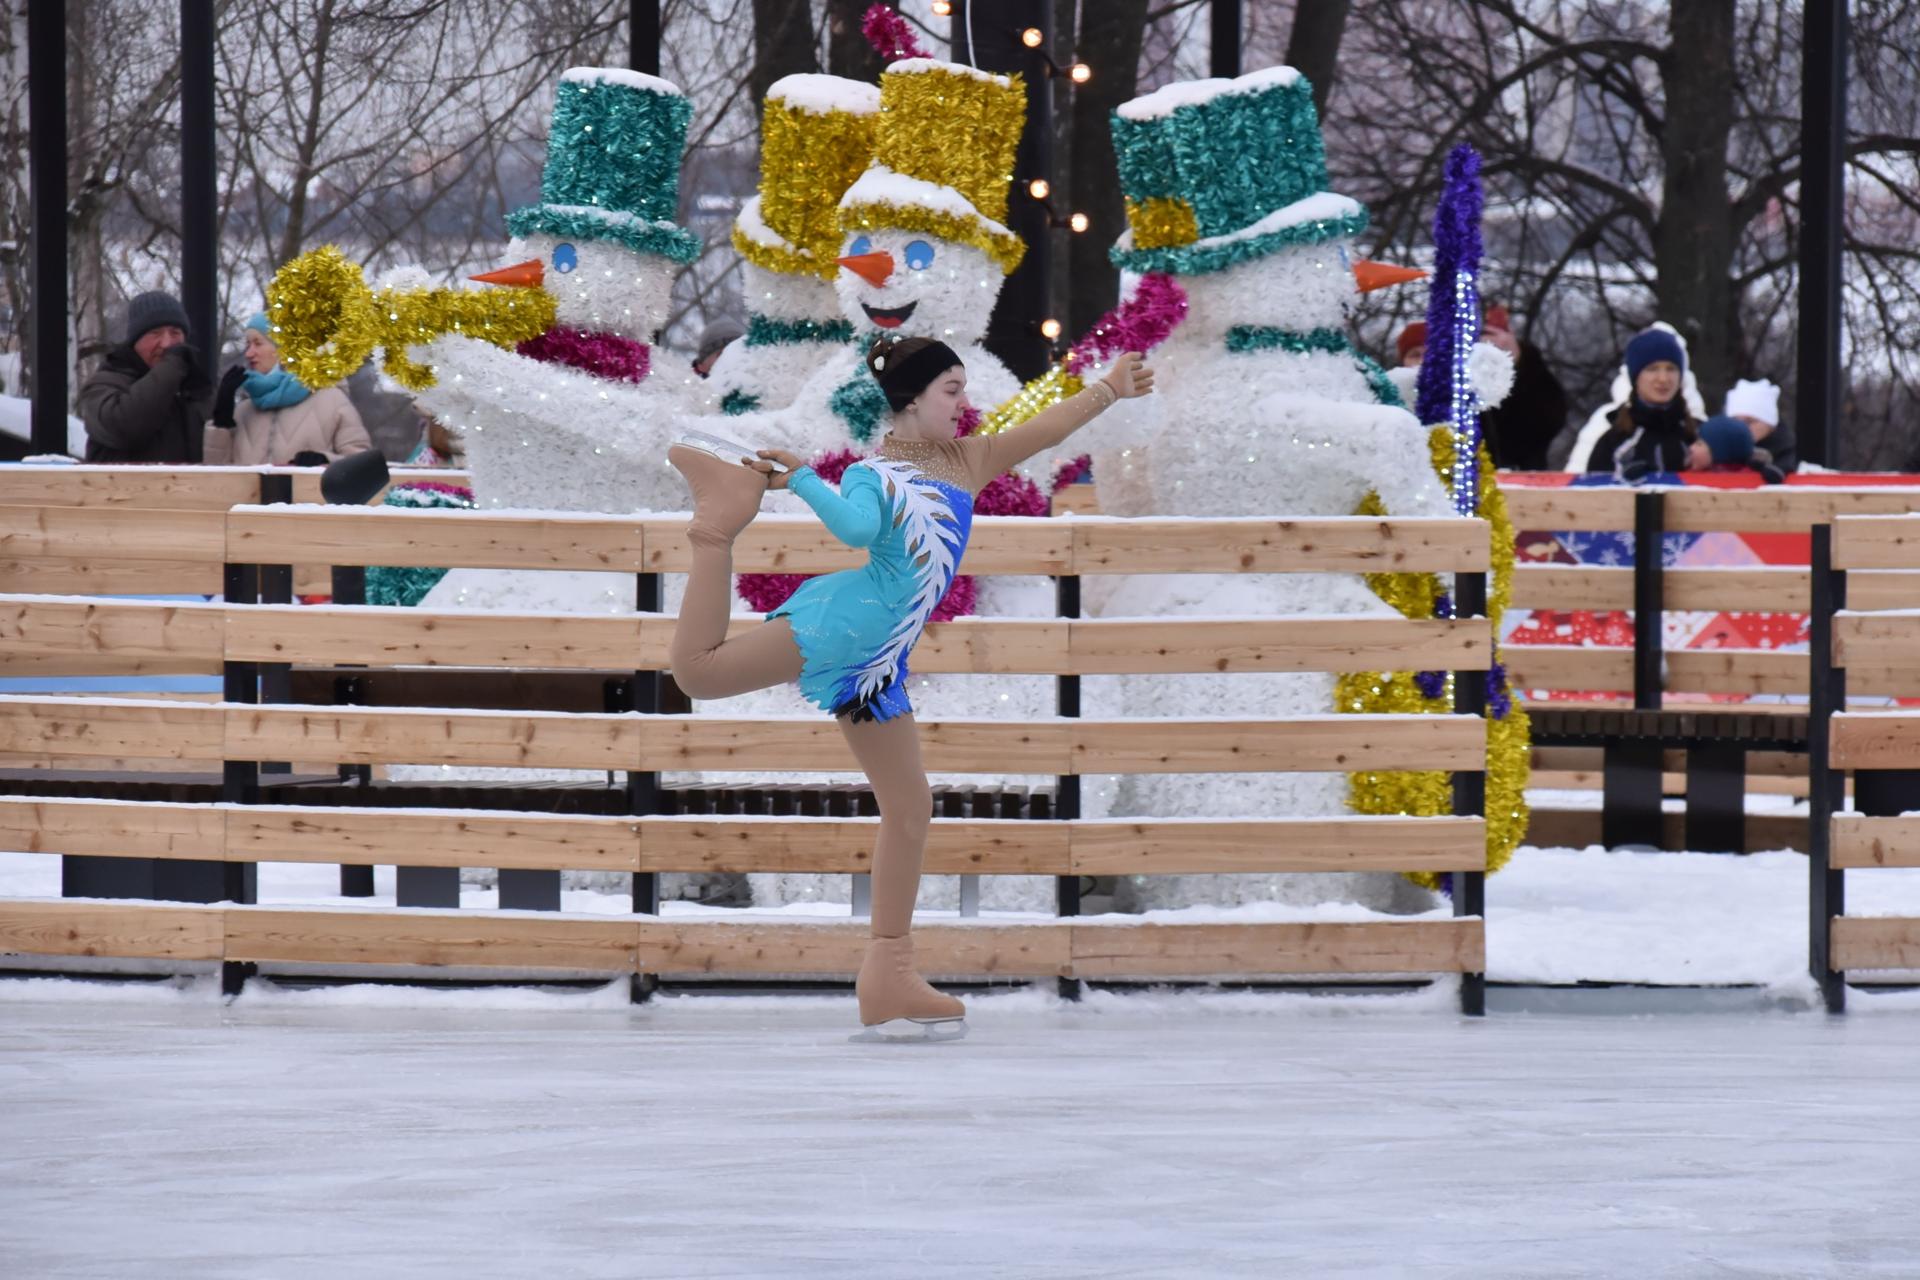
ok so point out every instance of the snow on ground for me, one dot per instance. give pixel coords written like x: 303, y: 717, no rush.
x: 156, y: 1132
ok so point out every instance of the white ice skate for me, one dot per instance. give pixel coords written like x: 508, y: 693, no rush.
x: 723, y: 448
x: 911, y: 1031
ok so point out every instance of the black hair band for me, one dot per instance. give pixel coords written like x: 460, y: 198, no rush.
x: 903, y: 382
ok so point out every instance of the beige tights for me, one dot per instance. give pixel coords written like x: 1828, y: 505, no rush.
x: 706, y: 664
x: 889, y: 751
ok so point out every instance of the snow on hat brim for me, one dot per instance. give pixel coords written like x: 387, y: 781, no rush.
x: 1316, y: 219
x: 585, y: 222
x: 881, y: 199
x: 764, y: 247
x: 1755, y: 399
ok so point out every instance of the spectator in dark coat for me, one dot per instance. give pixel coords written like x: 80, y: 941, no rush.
x: 1519, y: 428
x: 1653, y: 430
x: 149, y: 399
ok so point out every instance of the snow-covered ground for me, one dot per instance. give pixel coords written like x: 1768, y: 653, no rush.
x: 155, y: 1132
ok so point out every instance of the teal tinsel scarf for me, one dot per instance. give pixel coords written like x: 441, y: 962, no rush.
x: 1244, y: 338
x: 274, y: 390
x: 764, y: 331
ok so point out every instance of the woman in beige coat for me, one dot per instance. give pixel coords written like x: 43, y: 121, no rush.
x: 279, y: 422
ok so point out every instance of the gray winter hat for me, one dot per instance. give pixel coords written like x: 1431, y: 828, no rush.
x: 151, y: 310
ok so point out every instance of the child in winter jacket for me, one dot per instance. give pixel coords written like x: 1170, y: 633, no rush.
x: 1726, y: 444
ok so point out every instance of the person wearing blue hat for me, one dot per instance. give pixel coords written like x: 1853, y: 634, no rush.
x: 264, y: 416
x: 1727, y: 444
x: 1653, y: 430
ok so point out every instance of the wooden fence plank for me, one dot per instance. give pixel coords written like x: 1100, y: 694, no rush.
x: 433, y: 539
x: 64, y: 576
x: 1105, y: 545
x: 432, y: 838
x: 163, y: 488
x: 801, y: 544
x: 84, y: 637
x: 106, y: 828
x: 1555, y: 666
x: 1876, y: 542
x: 1111, y: 646
x: 1121, y: 847
x: 348, y: 735
x: 1888, y: 640
x: 1571, y: 586
x: 417, y: 637
x: 1735, y: 671
x: 1875, y: 740
x: 1861, y: 841
x: 1876, y: 942
x: 1304, y: 744
x: 494, y: 939
x: 99, y: 727
x: 1169, y: 950
x: 1779, y: 508
x: 1882, y: 590
x: 955, y: 846
x: 82, y: 927
x: 1588, y: 510
x: 948, y: 746
x: 111, y: 533
x: 753, y: 947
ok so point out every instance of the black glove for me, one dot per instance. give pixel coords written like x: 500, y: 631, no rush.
x: 223, y: 398
x: 309, y: 458
x: 194, y: 374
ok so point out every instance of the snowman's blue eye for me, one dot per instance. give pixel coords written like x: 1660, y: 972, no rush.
x: 919, y: 255
x: 859, y: 246
x: 565, y: 258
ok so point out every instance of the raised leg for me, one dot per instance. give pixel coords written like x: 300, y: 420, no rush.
x: 726, y: 497
x: 894, y: 999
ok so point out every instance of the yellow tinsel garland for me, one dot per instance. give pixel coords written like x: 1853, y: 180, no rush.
x: 1002, y: 246
x: 1509, y: 740
x: 327, y: 322
x: 808, y: 159
x: 1042, y: 393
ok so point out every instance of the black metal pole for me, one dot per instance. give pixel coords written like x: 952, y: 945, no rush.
x: 1470, y: 785
x: 1224, y: 23
x: 643, y: 786
x: 199, y: 190
x: 643, y: 36
x: 1066, y: 801
x: 1826, y: 888
x: 47, y: 174
x: 1649, y: 602
x: 1823, y: 136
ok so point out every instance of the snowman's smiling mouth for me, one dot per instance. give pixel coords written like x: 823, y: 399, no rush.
x: 889, y: 317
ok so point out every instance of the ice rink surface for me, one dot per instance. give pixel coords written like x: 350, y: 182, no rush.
x: 376, y: 1133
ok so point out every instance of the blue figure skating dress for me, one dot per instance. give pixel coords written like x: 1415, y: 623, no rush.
x: 911, y: 508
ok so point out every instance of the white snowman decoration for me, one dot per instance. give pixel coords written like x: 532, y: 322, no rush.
x: 816, y: 137
x: 1266, y: 409
x: 580, y: 418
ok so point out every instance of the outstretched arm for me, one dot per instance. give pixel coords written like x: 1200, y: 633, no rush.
x: 855, y: 513
x: 991, y: 456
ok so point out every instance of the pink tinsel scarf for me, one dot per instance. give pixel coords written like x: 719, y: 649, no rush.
x: 604, y: 355
x: 1141, y: 323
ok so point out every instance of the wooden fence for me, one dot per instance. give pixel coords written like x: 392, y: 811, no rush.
x: 241, y: 640
x: 1856, y: 630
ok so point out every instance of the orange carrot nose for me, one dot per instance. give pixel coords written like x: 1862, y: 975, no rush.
x: 873, y: 267
x: 529, y: 274
x: 1378, y: 275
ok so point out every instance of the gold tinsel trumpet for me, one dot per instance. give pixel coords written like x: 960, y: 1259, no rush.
x: 327, y: 322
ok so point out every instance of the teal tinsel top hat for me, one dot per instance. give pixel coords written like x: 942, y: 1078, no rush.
x: 613, y: 164
x: 1217, y: 172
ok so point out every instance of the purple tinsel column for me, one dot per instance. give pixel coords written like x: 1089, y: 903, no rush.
x: 1444, y: 392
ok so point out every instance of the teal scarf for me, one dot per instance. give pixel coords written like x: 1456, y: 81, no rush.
x: 276, y: 390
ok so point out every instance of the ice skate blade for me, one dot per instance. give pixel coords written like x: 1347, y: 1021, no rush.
x: 722, y: 448
x: 910, y: 1031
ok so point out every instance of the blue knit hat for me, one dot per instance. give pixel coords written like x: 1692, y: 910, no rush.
x: 1651, y: 345
x: 1728, y: 439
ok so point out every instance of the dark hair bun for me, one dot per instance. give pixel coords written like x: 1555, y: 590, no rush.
x: 880, y: 355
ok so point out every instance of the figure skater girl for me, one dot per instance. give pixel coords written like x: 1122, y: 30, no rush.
x: 846, y: 637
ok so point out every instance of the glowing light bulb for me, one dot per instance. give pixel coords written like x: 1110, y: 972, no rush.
x: 942, y: 8
x: 1032, y: 37
x: 1078, y: 222
x: 1039, y: 188
x: 1080, y: 73
x: 1049, y: 329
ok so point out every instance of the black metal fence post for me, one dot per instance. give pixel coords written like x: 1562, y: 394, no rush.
x: 643, y: 785
x: 1631, y: 767
x: 1827, y: 689
x: 240, y: 781
x: 1470, y: 785
x: 47, y: 170
x: 1066, y: 801
x: 350, y: 587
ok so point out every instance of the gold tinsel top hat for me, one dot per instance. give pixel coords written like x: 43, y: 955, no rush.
x: 943, y: 157
x: 816, y: 137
